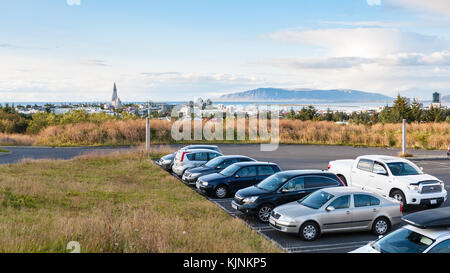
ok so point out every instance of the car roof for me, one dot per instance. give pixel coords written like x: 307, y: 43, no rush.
x: 243, y: 164
x: 384, y: 158
x: 346, y: 190
x: 202, y: 151
x: 433, y: 233
x: 200, y: 146
x: 234, y: 156
x: 435, y: 218
x: 302, y: 172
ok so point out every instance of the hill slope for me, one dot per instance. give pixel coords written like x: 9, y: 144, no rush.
x: 277, y: 94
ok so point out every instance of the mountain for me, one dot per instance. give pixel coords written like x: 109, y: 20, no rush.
x: 277, y: 94
x: 446, y: 98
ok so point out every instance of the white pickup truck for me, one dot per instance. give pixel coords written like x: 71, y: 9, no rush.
x: 391, y: 177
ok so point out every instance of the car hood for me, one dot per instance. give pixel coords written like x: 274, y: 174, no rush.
x: 294, y: 210
x: 212, y: 177
x: 408, y: 179
x: 168, y: 157
x: 365, y: 249
x: 200, y: 169
x: 251, y: 191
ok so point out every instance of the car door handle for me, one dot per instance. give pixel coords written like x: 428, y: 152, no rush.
x: 375, y: 210
x: 348, y: 212
x: 372, y: 176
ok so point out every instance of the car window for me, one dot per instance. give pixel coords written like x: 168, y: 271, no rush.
x: 316, y: 200
x: 230, y: 170
x: 295, y: 184
x: 201, y: 157
x: 226, y: 163
x: 402, y: 169
x: 247, y: 172
x: 272, y: 183
x: 361, y: 200
x: 342, y: 202
x: 319, y: 182
x: 403, y: 240
x: 379, y: 168
x: 365, y: 165
x: 265, y: 170
x: 442, y: 247
x: 374, y: 201
x: 213, y: 155
x: 191, y: 157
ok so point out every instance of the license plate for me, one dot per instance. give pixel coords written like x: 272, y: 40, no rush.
x: 433, y: 202
x: 234, y: 206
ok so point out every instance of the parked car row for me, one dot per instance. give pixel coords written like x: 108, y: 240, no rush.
x: 368, y: 193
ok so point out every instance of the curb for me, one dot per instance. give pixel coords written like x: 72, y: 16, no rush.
x: 429, y: 158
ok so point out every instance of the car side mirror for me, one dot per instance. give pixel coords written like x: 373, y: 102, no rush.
x: 284, y: 190
x: 381, y: 236
x: 218, y: 167
x: 236, y: 176
x: 331, y: 208
x: 421, y: 169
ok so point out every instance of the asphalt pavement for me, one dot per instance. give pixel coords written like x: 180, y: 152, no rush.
x: 288, y: 157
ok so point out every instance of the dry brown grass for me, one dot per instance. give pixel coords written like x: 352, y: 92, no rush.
x: 16, y: 140
x: 132, y: 132
x: 114, y: 203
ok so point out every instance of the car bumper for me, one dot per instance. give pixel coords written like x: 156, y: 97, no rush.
x: 426, y: 199
x: 209, y: 190
x: 178, y: 170
x: 189, y: 180
x: 245, y: 208
x: 283, y: 226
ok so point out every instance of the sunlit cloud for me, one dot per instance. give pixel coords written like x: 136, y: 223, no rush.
x: 73, y: 2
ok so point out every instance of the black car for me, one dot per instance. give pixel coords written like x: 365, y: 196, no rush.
x: 236, y: 177
x: 282, y: 188
x: 214, y: 166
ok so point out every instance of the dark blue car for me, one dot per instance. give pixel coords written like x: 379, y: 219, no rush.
x: 235, y: 177
x: 215, y: 165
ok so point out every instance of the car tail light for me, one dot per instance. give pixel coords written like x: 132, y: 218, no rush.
x: 401, y: 208
x: 329, y: 166
x: 182, y: 156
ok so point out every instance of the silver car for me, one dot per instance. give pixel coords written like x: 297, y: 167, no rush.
x: 186, y: 159
x: 336, y: 210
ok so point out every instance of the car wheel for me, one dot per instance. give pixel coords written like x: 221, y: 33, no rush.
x: 221, y: 192
x: 264, y: 212
x: 399, y: 196
x: 309, y: 231
x: 381, y: 226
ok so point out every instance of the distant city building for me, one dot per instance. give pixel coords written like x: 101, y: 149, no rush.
x: 437, y: 100
x: 199, y: 103
x: 116, y: 103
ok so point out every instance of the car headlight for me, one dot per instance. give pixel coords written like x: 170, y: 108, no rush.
x: 442, y: 185
x: 204, y: 183
x: 250, y: 199
x: 413, y: 187
x: 287, y: 219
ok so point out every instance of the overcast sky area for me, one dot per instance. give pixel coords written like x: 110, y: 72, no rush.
x: 176, y: 50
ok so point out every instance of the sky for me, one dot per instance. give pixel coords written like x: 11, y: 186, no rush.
x: 176, y: 50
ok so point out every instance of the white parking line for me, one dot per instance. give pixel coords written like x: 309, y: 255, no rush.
x: 326, y: 247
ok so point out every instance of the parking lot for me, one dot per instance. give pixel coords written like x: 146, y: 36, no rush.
x: 290, y: 157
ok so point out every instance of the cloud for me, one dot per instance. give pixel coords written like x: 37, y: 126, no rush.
x: 94, y: 62
x: 200, y: 78
x: 373, y: 2
x: 441, y: 58
x: 73, y: 2
x: 362, y: 42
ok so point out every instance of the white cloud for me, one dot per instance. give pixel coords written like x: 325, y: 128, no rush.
x: 374, y: 2
x: 363, y: 42
x: 73, y: 2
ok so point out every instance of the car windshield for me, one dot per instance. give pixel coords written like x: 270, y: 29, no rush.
x: 272, y: 183
x: 403, y: 241
x: 229, y: 171
x: 402, y: 169
x: 316, y: 200
x: 213, y: 162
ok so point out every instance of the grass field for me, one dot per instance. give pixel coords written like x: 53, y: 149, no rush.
x: 114, y: 203
x: 434, y: 136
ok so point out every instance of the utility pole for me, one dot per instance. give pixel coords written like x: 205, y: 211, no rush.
x: 404, y: 137
x: 147, y: 129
